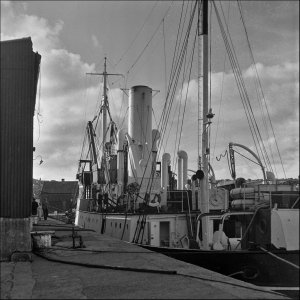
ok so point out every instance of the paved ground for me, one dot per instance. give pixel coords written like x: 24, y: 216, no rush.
x: 111, y: 269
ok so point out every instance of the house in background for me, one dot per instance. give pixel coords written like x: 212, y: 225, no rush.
x: 61, y: 195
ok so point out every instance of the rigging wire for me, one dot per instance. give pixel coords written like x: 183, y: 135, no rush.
x: 173, y: 61
x: 165, y: 58
x: 121, y: 108
x: 123, y: 100
x: 178, y: 39
x: 248, y: 106
x: 178, y: 60
x: 151, y: 55
x: 137, y: 34
x: 178, y: 117
x: 253, y: 67
x: 234, y: 65
x: 247, y: 157
x: 186, y: 96
x: 177, y: 130
x: 260, y: 85
x: 84, y: 121
x: 38, y: 113
x: 222, y: 87
x: 242, y: 89
x: 261, y: 145
x: 126, y: 112
x: 155, y: 120
x: 148, y: 43
x: 162, y: 114
x: 110, y: 63
x: 98, y: 108
x: 163, y: 119
x: 175, y: 77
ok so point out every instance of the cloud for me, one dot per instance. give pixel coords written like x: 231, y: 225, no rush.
x: 95, y: 41
x: 281, y: 88
x: 16, y: 24
x: 286, y: 72
x: 69, y: 98
x: 57, y: 137
x: 64, y: 72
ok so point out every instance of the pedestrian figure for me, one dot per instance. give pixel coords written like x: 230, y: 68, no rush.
x: 45, y: 208
x: 40, y: 211
x: 34, y: 206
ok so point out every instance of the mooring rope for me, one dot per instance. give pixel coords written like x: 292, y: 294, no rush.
x: 276, y: 256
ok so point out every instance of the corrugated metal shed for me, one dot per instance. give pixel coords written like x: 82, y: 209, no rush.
x: 19, y: 77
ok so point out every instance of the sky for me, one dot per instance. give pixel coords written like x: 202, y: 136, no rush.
x: 138, y: 39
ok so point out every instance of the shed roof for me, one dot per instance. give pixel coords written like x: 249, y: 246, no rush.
x: 24, y: 40
x: 60, y: 187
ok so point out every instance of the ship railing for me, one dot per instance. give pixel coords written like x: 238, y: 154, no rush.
x: 280, y: 195
x: 283, y: 196
x: 184, y: 196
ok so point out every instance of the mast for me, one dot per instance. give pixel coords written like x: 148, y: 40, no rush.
x: 104, y: 107
x: 204, y: 193
x: 205, y: 149
x: 104, y: 110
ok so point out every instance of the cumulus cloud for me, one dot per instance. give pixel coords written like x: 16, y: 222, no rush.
x: 15, y: 23
x: 58, y: 130
x: 280, y: 90
x: 69, y: 98
x: 65, y: 72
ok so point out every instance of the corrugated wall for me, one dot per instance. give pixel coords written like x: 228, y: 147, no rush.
x: 19, y: 76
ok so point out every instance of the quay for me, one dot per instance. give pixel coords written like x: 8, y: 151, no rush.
x: 107, y: 268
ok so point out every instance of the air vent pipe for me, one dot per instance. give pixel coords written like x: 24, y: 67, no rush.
x: 182, y: 168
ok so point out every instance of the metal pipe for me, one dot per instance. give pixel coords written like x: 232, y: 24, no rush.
x: 257, y: 158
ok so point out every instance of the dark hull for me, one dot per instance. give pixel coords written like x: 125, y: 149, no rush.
x: 256, y: 267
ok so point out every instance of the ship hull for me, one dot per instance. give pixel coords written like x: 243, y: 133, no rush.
x: 256, y: 267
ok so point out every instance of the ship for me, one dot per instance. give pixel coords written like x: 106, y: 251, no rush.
x: 245, y: 229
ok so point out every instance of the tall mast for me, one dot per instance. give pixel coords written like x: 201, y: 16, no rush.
x: 205, y: 149
x: 104, y: 107
x: 203, y: 162
x: 203, y: 88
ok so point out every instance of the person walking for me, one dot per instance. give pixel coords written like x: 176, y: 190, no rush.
x: 40, y: 211
x: 45, y: 208
x: 34, y: 206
